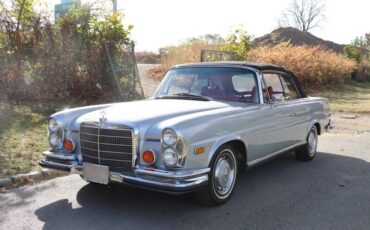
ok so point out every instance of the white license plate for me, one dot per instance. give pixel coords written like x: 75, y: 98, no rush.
x: 96, y: 173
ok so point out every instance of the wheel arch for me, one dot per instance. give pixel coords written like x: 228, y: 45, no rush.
x: 238, y: 143
x: 318, y: 127
x: 315, y: 123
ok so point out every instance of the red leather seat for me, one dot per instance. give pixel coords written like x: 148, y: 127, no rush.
x: 270, y: 90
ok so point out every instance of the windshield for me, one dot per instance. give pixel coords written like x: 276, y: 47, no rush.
x: 201, y: 83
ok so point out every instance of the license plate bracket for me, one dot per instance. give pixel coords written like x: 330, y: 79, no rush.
x: 96, y: 173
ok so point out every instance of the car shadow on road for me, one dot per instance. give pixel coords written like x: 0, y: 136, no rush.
x: 282, y: 193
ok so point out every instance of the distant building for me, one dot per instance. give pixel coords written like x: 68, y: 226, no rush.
x: 61, y: 9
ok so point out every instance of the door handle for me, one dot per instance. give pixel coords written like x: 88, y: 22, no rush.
x: 293, y: 114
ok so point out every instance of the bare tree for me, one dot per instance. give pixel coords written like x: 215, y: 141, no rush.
x: 303, y: 14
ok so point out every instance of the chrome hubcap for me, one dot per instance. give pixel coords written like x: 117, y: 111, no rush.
x: 312, y: 143
x: 224, y: 175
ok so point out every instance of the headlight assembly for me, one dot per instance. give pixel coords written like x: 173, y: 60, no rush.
x: 56, y: 134
x: 174, y: 149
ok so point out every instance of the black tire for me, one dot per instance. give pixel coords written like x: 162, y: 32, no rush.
x: 225, y: 163
x: 308, y: 151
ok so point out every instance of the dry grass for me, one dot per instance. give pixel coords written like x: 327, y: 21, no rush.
x: 315, y: 66
x: 22, y: 139
x: 349, y: 98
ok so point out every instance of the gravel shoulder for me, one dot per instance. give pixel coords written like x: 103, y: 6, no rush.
x: 149, y: 85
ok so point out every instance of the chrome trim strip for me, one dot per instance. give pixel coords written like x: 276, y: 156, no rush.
x: 103, y: 143
x: 183, y: 184
x: 98, y: 146
x: 105, y: 135
x: 107, y: 159
x: 258, y: 160
x: 103, y: 151
x: 113, y: 126
x: 70, y: 166
x: 59, y: 157
x: 172, y: 175
x: 259, y: 83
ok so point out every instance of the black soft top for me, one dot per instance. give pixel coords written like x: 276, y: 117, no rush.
x: 262, y: 67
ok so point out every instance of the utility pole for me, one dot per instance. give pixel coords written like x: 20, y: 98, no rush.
x: 114, y: 5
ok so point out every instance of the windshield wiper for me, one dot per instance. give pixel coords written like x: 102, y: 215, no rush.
x: 184, y: 96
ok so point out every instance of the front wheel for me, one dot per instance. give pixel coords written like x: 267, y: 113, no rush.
x: 222, y: 177
x: 308, y: 151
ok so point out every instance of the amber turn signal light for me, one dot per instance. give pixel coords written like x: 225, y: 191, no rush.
x: 199, y: 150
x: 69, y: 145
x: 149, y: 156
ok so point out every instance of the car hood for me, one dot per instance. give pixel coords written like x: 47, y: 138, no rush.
x: 151, y: 110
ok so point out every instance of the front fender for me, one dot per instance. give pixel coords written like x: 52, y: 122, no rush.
x: 222, y: 141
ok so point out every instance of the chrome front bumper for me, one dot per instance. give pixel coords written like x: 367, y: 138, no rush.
x: 181, y: 181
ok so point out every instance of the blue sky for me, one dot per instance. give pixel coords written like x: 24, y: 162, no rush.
x: 163, y: 22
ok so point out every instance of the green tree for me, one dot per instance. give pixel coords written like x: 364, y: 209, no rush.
x: 359, y: 48
x: 359, y: 51
x: 239, y: 42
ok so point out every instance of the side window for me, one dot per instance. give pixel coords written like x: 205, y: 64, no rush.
x: 290, y: 89
x: 243, y: 82
x: 245, y: 86
x: 273, y: 83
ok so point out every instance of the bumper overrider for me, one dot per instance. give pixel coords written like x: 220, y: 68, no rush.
x: 181, y: 181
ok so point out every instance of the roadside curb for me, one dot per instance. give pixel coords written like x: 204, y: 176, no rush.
x: 29, y: 178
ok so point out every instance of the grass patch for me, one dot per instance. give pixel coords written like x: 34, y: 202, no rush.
x: 349, y: 98
x: 23, y: 137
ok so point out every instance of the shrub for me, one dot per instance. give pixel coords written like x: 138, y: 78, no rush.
x: 314, y: 66
x: 186, y: 52
x: 62, y: 61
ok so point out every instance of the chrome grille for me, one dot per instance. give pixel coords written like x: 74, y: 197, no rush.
x: 107, y: 144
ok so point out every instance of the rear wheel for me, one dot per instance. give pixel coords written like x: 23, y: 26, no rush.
x: 308, y: 151
x: 222, y: 178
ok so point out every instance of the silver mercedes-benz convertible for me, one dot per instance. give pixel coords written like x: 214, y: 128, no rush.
x: 205, y: 123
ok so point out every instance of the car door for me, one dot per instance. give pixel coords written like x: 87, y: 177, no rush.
x: 274, y: 121
x: 300, y: 112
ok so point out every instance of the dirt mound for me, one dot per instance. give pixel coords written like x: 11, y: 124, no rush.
x: 295, y: 37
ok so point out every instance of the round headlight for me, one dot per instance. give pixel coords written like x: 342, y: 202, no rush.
x: 53, y: 125
x: 53, y: 140
x: 170, y: 157
x: 169, y: 137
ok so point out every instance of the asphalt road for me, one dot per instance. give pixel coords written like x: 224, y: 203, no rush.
x: 331, y: 192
